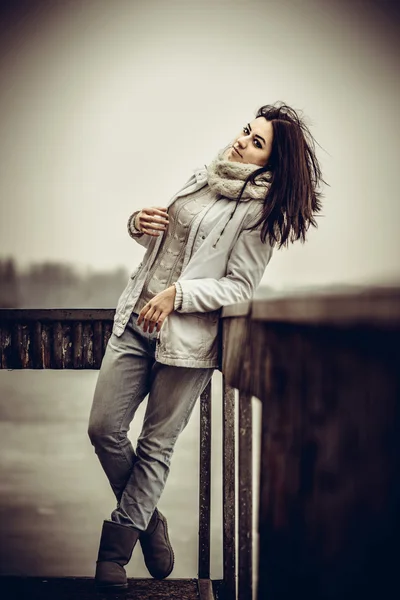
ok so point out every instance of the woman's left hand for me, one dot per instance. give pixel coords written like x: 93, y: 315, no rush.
x: 154, y: 312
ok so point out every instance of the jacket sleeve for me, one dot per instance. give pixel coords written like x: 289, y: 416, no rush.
x: 246, y: 266
x: 140, y: 238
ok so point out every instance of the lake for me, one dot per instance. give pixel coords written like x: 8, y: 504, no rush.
x: 54, y: 494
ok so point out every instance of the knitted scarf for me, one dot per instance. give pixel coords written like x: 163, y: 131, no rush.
x: 226, y: 177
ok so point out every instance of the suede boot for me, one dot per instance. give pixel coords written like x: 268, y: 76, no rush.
x: 156, y: 547
x: 116, y: 546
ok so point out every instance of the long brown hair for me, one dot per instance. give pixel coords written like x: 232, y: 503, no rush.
x: 294, y: 173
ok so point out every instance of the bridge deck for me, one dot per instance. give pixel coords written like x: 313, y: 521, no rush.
x: 82, y: 588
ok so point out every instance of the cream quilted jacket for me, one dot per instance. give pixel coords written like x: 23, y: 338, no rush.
x: 217, y: 270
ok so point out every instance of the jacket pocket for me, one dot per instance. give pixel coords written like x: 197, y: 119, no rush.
x: 182, y: 336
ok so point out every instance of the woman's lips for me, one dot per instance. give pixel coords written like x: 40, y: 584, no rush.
x: 237, y: 152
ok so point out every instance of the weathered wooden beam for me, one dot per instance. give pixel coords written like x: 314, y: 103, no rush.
x: 56, y: 314
x: 330, y: 464
x: 245, y: 499
x: 228, y: 492
x: 205, y: 484
x: 353, y: 305
x: 54, y: 339
x: 205, y: 589
x: 236, y: 363
x: 82, y: 588
x: 328, y: 376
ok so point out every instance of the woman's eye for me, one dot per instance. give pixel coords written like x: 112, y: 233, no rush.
x: 257, y: 143
x: 245, y: 129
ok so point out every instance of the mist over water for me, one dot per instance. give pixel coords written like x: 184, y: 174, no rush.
x: 108, y: 107
x: 54, y: 494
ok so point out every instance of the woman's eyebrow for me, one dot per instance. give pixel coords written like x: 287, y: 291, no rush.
x: 257, y: 136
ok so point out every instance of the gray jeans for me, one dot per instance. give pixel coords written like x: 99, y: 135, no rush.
x: 127, y: 374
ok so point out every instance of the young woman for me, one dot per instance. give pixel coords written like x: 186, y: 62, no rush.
x: 207, y: 249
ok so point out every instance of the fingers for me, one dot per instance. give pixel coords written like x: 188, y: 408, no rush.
x: 160, y: 321
x: 152, y: 318
x: 160, y: 214
x: 152, y: 220
x: 153, y: 324
x: 153, y: 223
x: 149, y: 231
x: 148, y: 315
x: 161, y: 209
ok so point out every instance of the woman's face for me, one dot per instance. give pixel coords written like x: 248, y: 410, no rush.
x: 253, y: 145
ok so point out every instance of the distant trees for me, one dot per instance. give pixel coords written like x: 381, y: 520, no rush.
x: 58, y: 285
x: 52, y: 284
x: 9, y: 293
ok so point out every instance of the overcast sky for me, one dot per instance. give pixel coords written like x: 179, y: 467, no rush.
x: 107, y: 107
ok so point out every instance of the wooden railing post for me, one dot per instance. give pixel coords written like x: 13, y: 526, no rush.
x: 229, y: 512
x: 245, y: 500
x: 205, y: 484
x: 234, y: 330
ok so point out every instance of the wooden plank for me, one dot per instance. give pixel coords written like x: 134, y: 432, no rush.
x: 330, y: 453
x: 57, y: 362
x: 205, y: 589
x: 205, y: 484
x: 236, y: 362
x: 245, y: 500
x: 26, y: 342
x: 5, y: 345
x: 37, y: 359
x: 228, y: 492
x: 29, y: 344
x: 281, y: 448
x: 98, y: 350
x: 336, y: 305
x: 16, y: 347
x: 82, y: 588
x: 66, y: 344
x: 107, y: 331
x: 240, y: 309
x: 57, y: 314
x: 356, y: 306
x: 87, y: 345
x: 77, y: 345
x: 47, y: 343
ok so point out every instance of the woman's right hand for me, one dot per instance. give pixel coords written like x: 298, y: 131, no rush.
x: 152, y: 219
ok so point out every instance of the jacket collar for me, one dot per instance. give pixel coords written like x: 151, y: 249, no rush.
x: 200, y: 174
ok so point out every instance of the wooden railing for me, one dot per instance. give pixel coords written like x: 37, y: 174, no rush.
x: 325, y: 366
x: 76, y: 339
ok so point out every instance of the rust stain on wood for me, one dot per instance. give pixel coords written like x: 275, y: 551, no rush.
x: 87, y: 345
x: 67, y: 343
x: 28, y: 343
